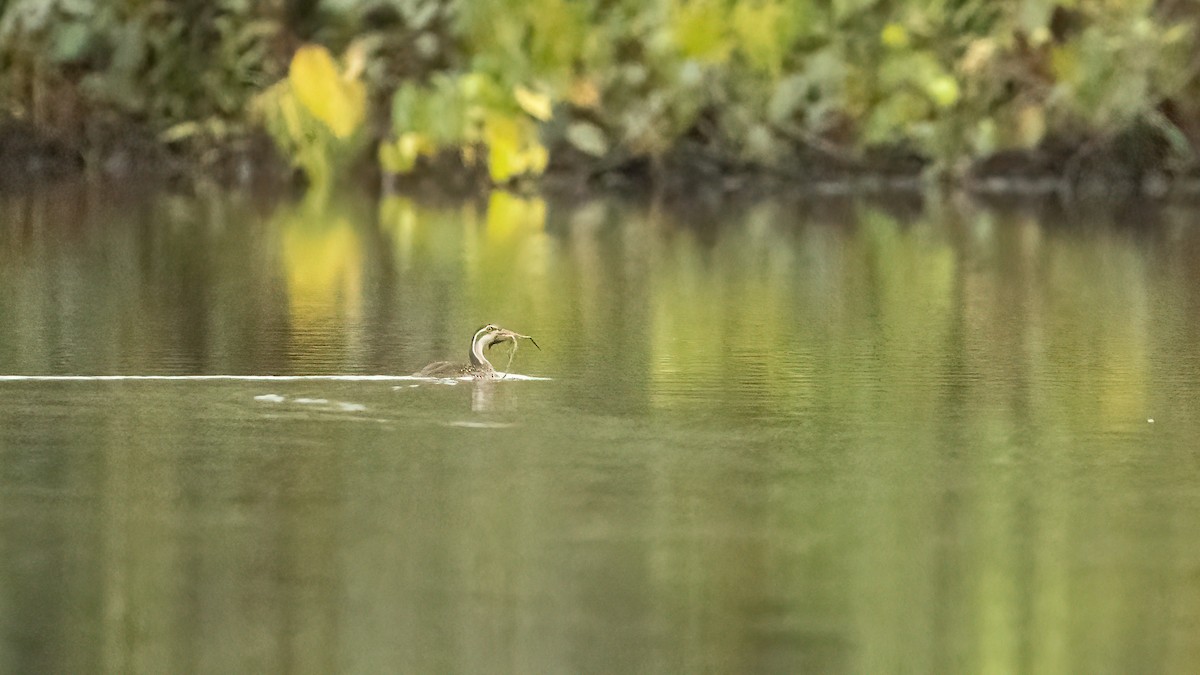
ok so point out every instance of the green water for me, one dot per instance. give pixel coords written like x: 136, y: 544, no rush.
x: 791, y: 436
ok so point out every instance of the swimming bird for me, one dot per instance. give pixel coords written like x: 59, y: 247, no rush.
x: 479, y: 367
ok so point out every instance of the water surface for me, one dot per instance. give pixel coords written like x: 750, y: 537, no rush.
x: 786, y: 436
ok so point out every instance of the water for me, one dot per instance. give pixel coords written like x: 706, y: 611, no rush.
x: 791, y: 436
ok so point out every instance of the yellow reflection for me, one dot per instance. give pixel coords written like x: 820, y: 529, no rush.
x: 509, y: 216
x: 503, y: 248
x: 323, y: 260
x: 679, y: 306
x: 477, y: 262
x: 398, y: 215
x: 510, y: 255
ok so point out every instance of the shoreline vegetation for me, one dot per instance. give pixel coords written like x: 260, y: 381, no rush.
x: 1082, y: 97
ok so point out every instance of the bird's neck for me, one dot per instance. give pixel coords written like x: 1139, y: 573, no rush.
x: 477, y: 346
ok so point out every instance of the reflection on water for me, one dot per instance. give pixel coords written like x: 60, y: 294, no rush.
x: 777, y: 437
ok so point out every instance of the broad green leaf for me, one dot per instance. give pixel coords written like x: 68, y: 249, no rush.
x: 339, y: 103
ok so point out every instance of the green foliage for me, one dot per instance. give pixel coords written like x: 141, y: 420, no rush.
x: 953, y: 79
x: 314, y: 115
x: 169, y: 62
x: 511, y: 81
x: 466, y: 113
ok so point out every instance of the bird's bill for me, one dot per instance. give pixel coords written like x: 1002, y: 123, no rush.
x: 505, y: 334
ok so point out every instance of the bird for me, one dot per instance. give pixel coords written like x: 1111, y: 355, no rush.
x: 479, y: 367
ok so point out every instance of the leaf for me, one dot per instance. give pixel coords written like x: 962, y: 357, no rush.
x: 759, y: 27
x: 588, y: 137
x: 339, y: 103
x: 513, y: 148
x: 536, y: 158
x: 699, y: 28
x: 1065, y: 63
x: 70, y: 42
x: 503, y: 141
x: 898, y: 113
x: 943, y: 90
x: 761, y: 144
x: 536, y: 104
x: 179, y: 132
x: 978, y: 56
x: 894, y: 36
x: 984, y: 136
x: 787, y: 98
x: 401, y: 156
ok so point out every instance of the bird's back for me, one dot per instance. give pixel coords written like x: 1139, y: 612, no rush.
x: 443, y: 369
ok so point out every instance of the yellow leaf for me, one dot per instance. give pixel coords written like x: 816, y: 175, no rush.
x: 894, y: 35
x: 536, y: 158
x: 338, y: 103
x: 758, y: 28
x: 292, y: 120
x: 536, y: 104
x: 401, y: 156
x: 502, y: 136
x: 513, y: 148
x: 699, y: 28
x: 943, y: 90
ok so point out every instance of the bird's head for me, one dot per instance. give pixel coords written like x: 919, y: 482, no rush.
x: 492, y: 335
